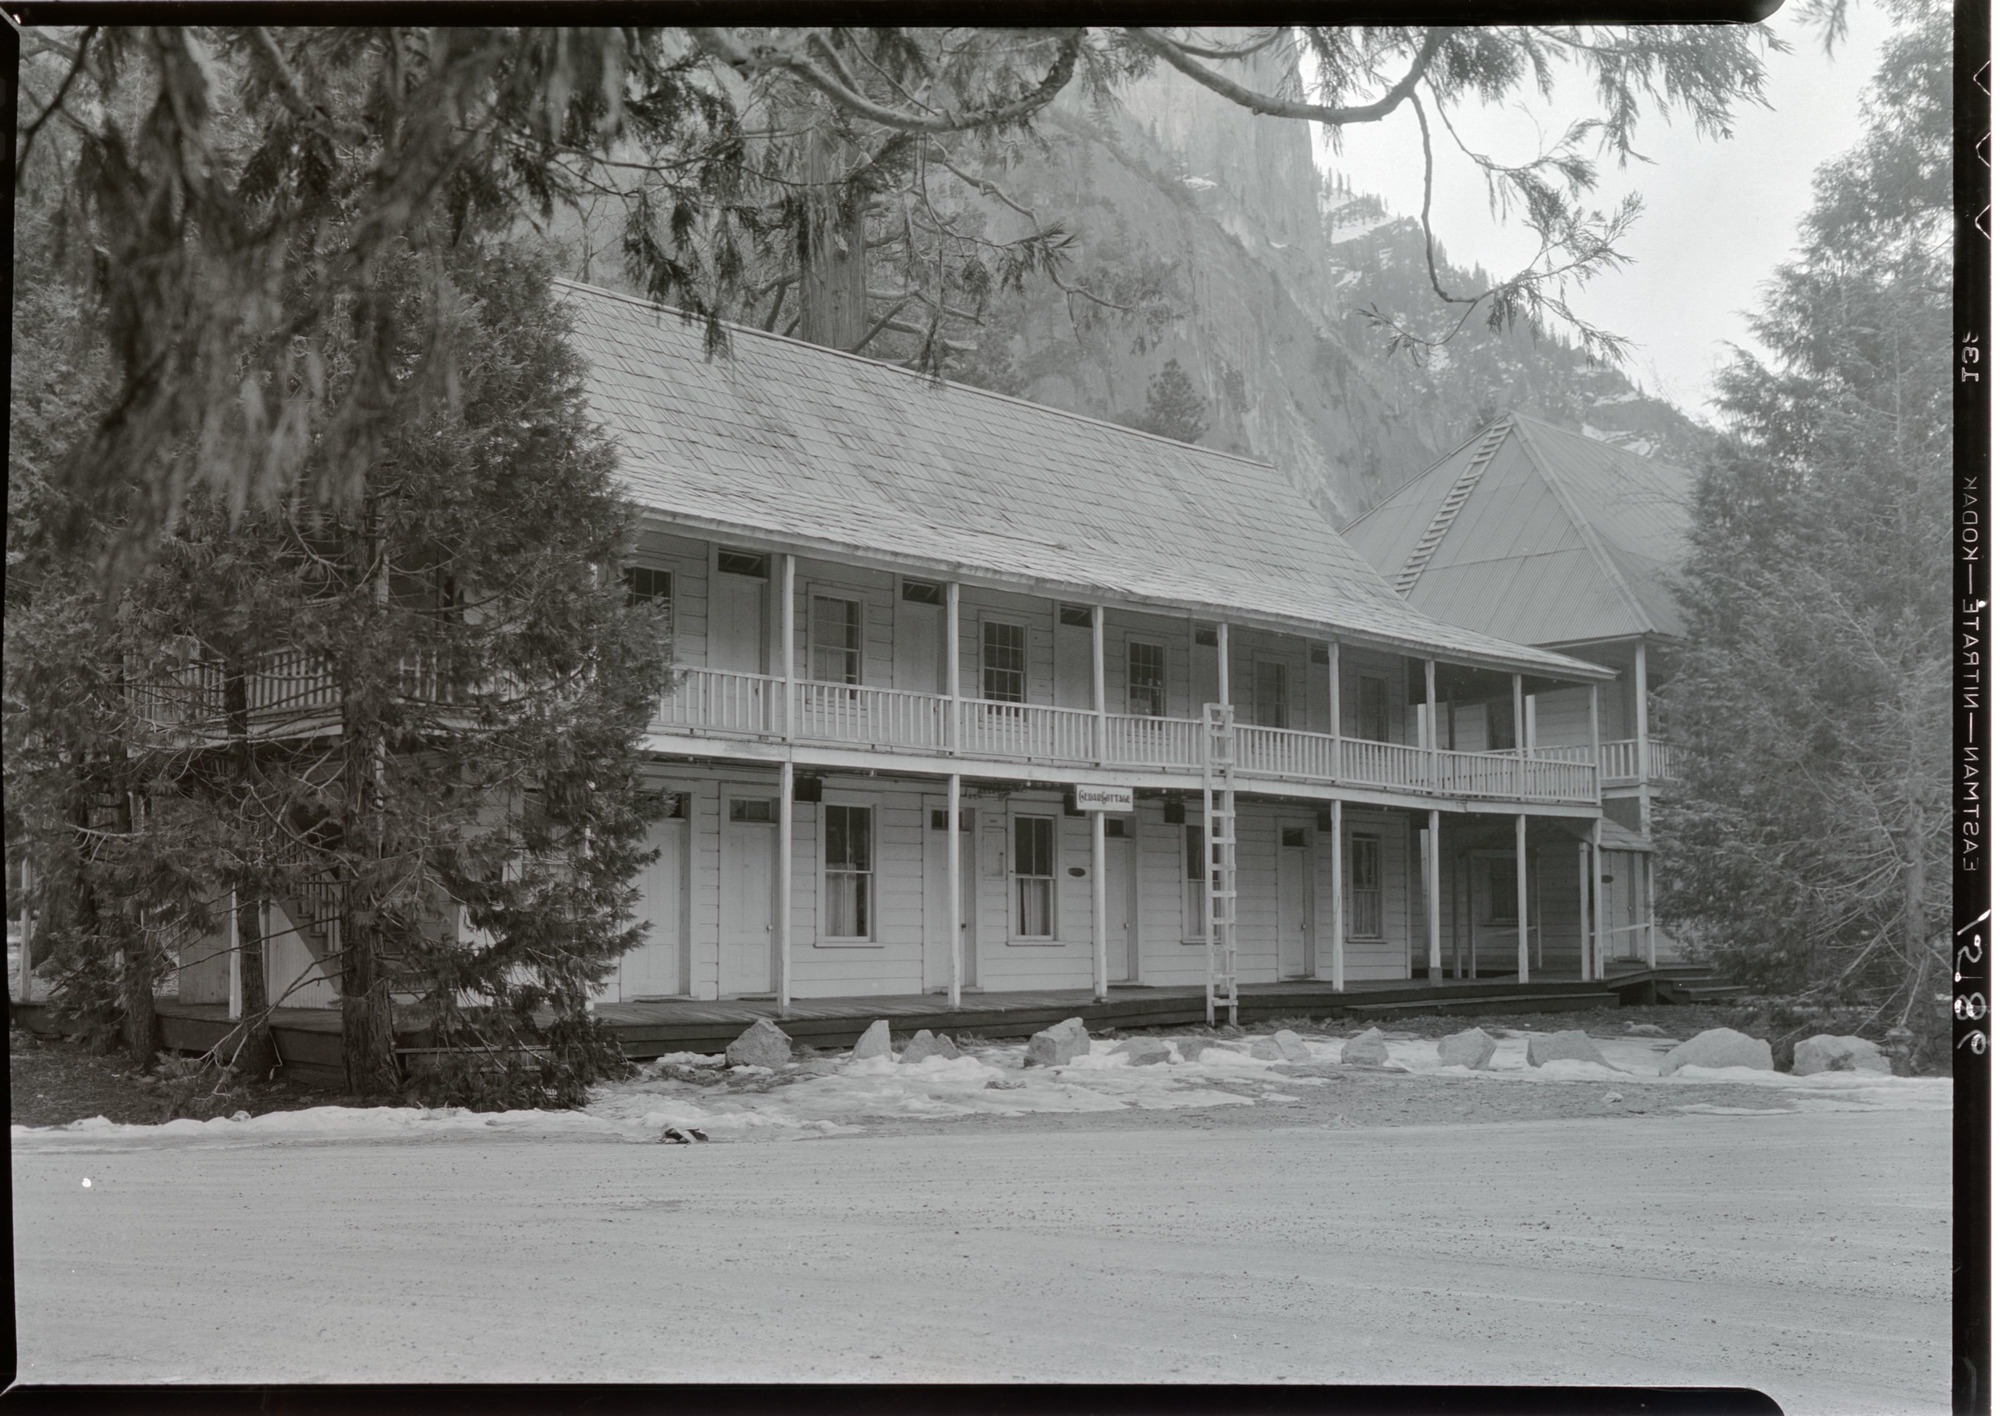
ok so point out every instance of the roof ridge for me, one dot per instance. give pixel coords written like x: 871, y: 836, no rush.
x: 1538, y: 460
x: 829, y: 351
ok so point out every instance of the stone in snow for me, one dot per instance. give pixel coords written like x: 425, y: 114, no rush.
x: 1569, y: 1046
x: 681, y: 1136
x: 1645, y: 1030
x: 1053, y: 1046
x: 1471, y: 1048
x: 762, y: 1044
x: 928, y: 1044
x: 1290, y: 1046
x: 1827, y: 1053
x: 1145, y: 1051
x: 1719, y: 1047
x: 1265, y: 1050
x: 1365, y: 1049
x: 874, y: 1042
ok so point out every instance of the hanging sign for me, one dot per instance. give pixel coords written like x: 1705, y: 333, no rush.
x: 1103, y: 798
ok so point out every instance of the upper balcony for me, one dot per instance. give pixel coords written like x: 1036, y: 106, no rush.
x: 716, y: 704
x: 1618, y: 761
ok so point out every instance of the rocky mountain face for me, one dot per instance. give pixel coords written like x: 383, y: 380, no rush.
x: 1272, y: 265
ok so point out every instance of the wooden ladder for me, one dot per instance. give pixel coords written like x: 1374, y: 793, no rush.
x: 1218, y: 802
x: 1448, y: 509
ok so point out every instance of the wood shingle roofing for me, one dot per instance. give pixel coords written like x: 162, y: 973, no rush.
x: 835, y: 453
x: 1563, y: 539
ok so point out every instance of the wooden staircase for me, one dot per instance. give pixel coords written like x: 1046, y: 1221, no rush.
x: 1673, y: 984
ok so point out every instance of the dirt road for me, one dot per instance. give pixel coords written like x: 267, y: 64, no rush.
x: 1804, y: 1254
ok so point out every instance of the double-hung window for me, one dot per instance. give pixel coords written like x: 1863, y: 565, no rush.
x: 1034, y: 877
x: 1364, y: 886
x: 1145, y: 679
x: 1194, y: 886
x: 850, y: 871
x: 836, y: 639
x: 1371, y: 708
x: 647, y: 586
x: 1003, y: 662
x: 1273, y: 694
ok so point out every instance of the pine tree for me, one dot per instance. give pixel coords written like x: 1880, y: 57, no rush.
x: 1174, y: 409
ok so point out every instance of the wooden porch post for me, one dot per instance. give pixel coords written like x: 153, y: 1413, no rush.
x: 787, y: 613
x: 1643, y: 746
x: 1100, y: 973
x: 1583, y: 909
x: 1521, y: 731
x: 1520, y: 879
x: 1433, y: 907
x: 951, y: 678
x: 1596, y: 743
x: 1221, y: 661
x: 1431, y: 722
x: 235, y: 962
x: 1597, y: 888
x: 1333, y: 701
x: 1339, y: 967
x: 1097, y: 682
x: 783, y: 918
x: 954, y: 888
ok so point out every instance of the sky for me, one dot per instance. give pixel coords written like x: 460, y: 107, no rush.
x: 1720, y: 215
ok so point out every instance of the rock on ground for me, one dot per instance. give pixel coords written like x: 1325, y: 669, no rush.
x: 1645, y: 1030
x: 1471, y: 1048
x: 1291, y: 1047
x: 1569, y: 1046
x: 1053, y: 1046
x: 1719, y: 1047
x: 874, y: 1042
x: 1365, y: 1049
x: 1145, y: 1051
x: 762, y: 1044
x: 929, y: 1044
x: 1828, y: 1053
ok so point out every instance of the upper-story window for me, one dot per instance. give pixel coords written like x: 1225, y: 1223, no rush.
x: 1003, y: 662
x: 836, y: 639
x: 754, y: 564
x: 647, y: 586
x: 1371, y: 708
x: 1273, y: 694
x: 1145, y: 679
x: 1500, y: 726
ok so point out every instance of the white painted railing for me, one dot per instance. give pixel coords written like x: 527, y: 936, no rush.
x: 1619, y: 759
x: 1384, y: 764
x: 1152, y: 742
x: 1025, y: 730
x: 716, y: 700
x: 871, y: 717
x: 1665, y: 760
x: 1479, y: 774
x: 1281, y: 752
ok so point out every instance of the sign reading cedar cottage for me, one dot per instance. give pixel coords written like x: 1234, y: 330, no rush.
x: 1103, y: 798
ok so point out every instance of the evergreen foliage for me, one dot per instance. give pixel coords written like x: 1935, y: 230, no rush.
x: 1808, y: 847
x: 1174, y: 408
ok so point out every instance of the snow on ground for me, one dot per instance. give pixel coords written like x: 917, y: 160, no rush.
x: 829, y: 1096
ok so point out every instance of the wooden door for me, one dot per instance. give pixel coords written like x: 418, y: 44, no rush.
x: 736, y: 637
x: 749, y: 861
x: 1295, y: 954
x: 937, y: 901
x: 1121, y: 940
x: 918, y: 653
x: 655, y: 967
x: 1074, y: 674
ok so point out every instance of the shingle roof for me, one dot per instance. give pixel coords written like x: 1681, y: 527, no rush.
x: 1563, y: 538
x: 823, y: 449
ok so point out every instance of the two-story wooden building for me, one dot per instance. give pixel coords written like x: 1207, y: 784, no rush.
x: 1534, y: 533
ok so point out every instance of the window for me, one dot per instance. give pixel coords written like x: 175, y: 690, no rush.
x: 1076, y: 616
x: 644, y: 585
x: 674, y: 806
x: 1273, y: 699
x: 1502, y: 901
x: 753, y: 809
x: 836, y: 640
x: 1293, y: 836
x: 940, y: 818
x: 1364, y: 887
x: 1194, y: 888
x: 1145, y: 679
x: 850, y: 871
x: 1035, y: 877
x: 749, y: 563
x: 1371, y: 708
x: 1003, y: 662
x: 1115, y: 828
x: 1500, y: 726
x: 923, y: 592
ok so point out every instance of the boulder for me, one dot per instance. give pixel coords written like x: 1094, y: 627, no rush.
x: 1718, y: 1047
x: 1365, y: 1049
x: 1471, y: 1048
x: 1053, y: 1046
x: 1827, y: 1053
x: 762, y: 1044
x: 929, y: 1044
x: 874, y: 1042
x: 1265, y: 1050
x: 1570, y: 1046
x: 1145, y: 1051
x: 1291, y: 1047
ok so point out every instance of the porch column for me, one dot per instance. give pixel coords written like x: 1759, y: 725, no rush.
x: 1339, y: 905
x: 1597, y: 886
x: 1431, y: 724
x: 1644, y: 746
x: 1596, y: 743
x: 1221, y: 661
x: 1652, y: 918
x: 787, y: 614
x: 1520, y: 879
x: 1100, y: 973
x: 235, y: 963
x: 951, y: 735
x: 1583, y: 911
x: 1097, y: 682
x: 1333, y: 711
x: 782, y: 916
x: 1434, y: 909
x: 954, y: 887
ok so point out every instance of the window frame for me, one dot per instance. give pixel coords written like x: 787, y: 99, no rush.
x: 1490, y: 917
x: 1352, y: 858
x: 1016, y: 877
x: 870, y: 920
x: 1018, y: 627
x: 635, y: 596
x: 1362, y: 683
x: 1194, y: 883
x: 1258, y: 705
x: 858, y: 622
x: 1159, y: 648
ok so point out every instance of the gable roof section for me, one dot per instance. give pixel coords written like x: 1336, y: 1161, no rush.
x: 826, y: 450
x: 1563, y: 539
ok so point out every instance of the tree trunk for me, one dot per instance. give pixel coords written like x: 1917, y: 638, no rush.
x: 833, y: 256
x: 249, y: 921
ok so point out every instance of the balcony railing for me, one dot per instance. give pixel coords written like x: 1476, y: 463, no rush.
x: 1619, y: 759
x: 724, y: 704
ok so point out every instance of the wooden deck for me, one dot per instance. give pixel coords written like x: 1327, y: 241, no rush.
x: 306, y: 1041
